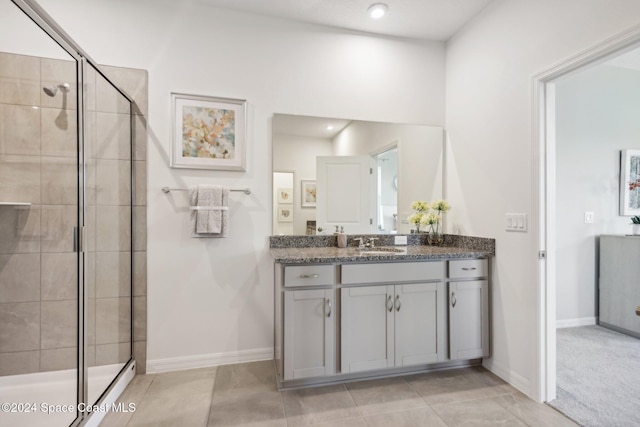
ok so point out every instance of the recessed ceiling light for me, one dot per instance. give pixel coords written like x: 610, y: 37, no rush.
x: 378, y: 10
x: 329, y: 127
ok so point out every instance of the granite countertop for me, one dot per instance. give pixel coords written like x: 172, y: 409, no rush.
x: 298, y: 255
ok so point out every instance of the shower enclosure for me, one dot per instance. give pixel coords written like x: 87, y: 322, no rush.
x: 65, y: 225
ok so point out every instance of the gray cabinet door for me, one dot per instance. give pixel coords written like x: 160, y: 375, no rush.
x: 367, y: 317
x: 309, y: 333
x: 419, y: 311
x: 469, y: 319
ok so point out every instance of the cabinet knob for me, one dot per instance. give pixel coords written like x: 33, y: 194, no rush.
x: 398, y: 303
x: 309, y: 276
x: 453, y: 299
x: 638, y: 311
x: 468, y: 268
x: 389, y: 304
x: 330, y: 308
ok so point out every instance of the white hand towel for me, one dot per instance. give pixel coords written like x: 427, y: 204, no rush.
x: 209, y: 222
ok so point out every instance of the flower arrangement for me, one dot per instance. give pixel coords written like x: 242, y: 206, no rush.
x: 429, y: 214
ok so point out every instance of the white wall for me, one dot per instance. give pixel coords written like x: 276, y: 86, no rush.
x: 298, y: 154
x: 597, y: 113
x: 490, y: 162
x: 211, y: 300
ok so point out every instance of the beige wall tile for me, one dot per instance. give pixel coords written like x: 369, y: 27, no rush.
x: 133, y: 82
x: 19, y: 326
x: 140, y: 179
x: 113, y: 320
x: 59, y: 132
x: 19, y: 91
x: 91, y: 321
x: 58, y: 359
x: 108, y: 354
x: 59, y: 276
x: 113, y: 136
x: 19, y: 130
x: 19, y: 277
x: 57, y: 228
x: 90, y: 274
x: 90, y: 88
x: 113, y: 274
x: 59, y: 324
x: 139, y: 228
x: 21, y: 362
x: 20, y: 229
x: 113, y: 182
x: 140, y: 133
x: 91, y: 355
x: 20, y: 179
x: 140, y: 355
x: 108, y: 99
x: 113, y: 229
x: 91, y: 227
x: 19, y: 66
x: 139, y: 318
x: 53, y: 73
x: 59, y: 181
x: 140, y: 273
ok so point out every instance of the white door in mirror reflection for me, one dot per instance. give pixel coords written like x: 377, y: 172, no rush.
x: 345, y: 186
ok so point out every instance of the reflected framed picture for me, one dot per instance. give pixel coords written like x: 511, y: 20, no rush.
x: 208, y: 132
x: 285, y: 195
x: 308, y: 193
x: 285, y: 213
x: 629, y: 182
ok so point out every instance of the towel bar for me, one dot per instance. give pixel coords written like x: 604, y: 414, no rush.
x: 168, y: 189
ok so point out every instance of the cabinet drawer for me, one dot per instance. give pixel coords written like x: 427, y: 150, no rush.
x: 462, y: 269
x: 392, y: 272
x: 309, y: 275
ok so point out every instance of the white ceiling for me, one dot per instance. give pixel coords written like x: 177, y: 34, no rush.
x: 418, y: 19
x: 315, y: 127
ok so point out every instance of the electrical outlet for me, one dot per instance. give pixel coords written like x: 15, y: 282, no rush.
x: 589, y: 217
x: 399, y: 240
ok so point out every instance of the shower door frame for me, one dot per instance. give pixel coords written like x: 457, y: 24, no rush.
x: 43, y: 20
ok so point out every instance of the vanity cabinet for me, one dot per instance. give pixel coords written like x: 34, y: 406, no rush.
x: 468, y: 309
x: 345, y: 320
x: 309, y: 333
x: 391, y: 326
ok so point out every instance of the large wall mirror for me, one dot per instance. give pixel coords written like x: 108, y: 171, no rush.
x: 359, y: 175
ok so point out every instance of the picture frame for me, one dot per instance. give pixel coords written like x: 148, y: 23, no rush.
x: 285, y: 195
x: 208, y: 132
x: 629, y: 182
x: 285, y: 213
x: 308, y: 193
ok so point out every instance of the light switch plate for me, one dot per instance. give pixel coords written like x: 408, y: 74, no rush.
x: 400, y: 240
x: 516, y: 222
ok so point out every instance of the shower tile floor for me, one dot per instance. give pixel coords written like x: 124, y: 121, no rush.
x: 245, y: 395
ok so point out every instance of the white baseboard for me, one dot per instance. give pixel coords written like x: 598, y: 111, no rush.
x: 516, y: 380
x: 572, y: 323
x: 207, y: 360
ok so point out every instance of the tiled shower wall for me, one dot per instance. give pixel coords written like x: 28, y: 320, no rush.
x: 38, y: 277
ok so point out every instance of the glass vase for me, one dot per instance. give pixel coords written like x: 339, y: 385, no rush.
x: 435, y: 238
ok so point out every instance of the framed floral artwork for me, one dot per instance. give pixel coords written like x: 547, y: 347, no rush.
x: 308, y: 196
x: 285, y: 195
x: 629, y: 182
x: 208, y: 132
x: 285, y: 214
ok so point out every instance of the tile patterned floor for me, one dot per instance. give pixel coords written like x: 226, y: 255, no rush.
x: 246, y: 395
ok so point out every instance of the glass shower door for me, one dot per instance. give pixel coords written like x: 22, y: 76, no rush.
x: 40, y: 272
x: 108, y: 230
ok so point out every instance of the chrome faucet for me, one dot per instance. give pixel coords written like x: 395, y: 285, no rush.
x: 372, y: 242
x: 360, y: 242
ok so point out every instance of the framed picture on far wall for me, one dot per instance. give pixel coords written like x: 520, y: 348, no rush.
x: 629, y: 182
x: 208, y: 132
x: 285, y: 213
x: 285, y: 195
x: 308, y: 196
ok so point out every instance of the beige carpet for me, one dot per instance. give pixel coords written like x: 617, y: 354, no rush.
x: 598, y: 377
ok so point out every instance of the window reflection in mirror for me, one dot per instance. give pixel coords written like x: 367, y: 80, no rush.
x: 418, y: 150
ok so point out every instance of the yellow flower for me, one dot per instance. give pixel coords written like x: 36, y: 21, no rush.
x: 440, y: 205
x: 420, y: 206
x: 431, y: 218
x: 415, y: 218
